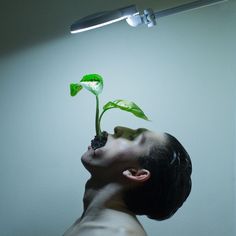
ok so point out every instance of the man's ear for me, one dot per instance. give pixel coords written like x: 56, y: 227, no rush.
x: 137, y: 175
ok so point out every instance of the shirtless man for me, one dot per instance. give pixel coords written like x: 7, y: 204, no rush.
x: 137, y: 172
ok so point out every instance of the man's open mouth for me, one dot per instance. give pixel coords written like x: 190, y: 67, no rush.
x: 99, y: 140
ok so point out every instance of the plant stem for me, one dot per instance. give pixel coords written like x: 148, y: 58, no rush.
x: 99, y: 120
x: 100, y: 117
x: 97, y: 123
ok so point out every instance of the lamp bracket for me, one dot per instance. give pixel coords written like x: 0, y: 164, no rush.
x: 149, y: 17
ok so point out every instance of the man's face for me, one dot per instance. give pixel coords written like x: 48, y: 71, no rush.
x: 121, y: 151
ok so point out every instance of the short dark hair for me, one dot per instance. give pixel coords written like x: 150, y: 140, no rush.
x: 169, y: 185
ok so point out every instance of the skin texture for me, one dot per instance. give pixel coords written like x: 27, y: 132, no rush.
x: 114, y: 168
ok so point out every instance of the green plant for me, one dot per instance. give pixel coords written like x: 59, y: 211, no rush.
x: 94, y: 84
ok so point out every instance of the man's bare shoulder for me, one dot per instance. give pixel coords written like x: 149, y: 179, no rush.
x: 110, y: 223
x: 98, y: 230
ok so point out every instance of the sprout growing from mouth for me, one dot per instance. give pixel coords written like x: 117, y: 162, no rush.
x: 94, y: 84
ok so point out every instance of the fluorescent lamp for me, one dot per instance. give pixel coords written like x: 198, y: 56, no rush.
x: 133, y: 17
x: 103, y: 18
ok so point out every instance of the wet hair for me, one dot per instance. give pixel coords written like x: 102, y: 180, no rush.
x: 169, y: 184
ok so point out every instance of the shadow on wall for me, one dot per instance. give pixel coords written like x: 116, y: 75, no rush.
x: 28, y: 22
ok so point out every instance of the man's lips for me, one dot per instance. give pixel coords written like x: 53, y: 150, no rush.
x: 90, y: 151
x: 98, y: 152
x: 95, y: 153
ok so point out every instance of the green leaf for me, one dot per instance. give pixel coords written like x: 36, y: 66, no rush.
x: 93, y: 83
x: 74, y: 89
x: 126, y: 106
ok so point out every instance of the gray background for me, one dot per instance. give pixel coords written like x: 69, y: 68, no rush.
x: 181, y: 72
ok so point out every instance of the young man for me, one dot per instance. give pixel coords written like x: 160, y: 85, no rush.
x: 137, y: 172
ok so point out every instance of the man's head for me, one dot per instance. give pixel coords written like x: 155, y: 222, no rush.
x: 154, y: 168
x: 120, y: 154
x: 169, y: 184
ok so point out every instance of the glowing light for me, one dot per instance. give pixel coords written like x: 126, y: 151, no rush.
x: 98, y: 25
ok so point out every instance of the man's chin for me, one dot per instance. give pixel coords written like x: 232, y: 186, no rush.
x: 87, y: 156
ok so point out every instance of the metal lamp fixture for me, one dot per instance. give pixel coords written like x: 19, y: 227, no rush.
x: 102, y: 18
x: 133, y: 17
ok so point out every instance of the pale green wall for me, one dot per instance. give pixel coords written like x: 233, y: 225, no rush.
x: 182, y: 73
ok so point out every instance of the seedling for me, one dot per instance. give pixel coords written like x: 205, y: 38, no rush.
x: 94, y: 84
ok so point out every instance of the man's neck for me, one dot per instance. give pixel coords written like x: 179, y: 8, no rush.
x: 98, y: 197
x: 105, y: 212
